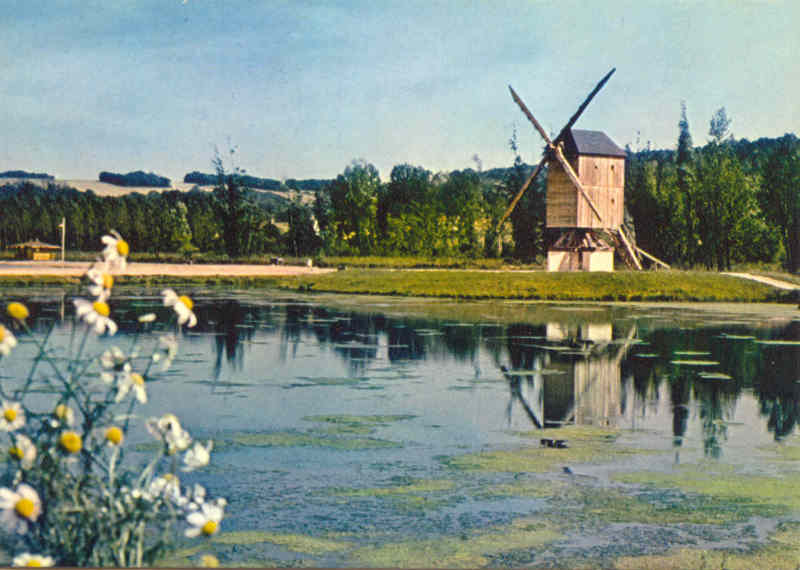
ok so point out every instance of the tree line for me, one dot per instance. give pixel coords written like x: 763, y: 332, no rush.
x: 728, y: 201
x: 725, y: 202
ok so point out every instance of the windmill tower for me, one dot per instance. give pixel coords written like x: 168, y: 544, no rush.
x: 585, y: 196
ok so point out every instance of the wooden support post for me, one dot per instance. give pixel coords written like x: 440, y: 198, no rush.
x: 652, y: 257
x: 629, y: 248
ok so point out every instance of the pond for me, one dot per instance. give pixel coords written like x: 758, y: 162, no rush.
x: 364, y: 431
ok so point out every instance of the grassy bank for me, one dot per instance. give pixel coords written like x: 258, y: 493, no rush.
x: 618, y: 286
x: 682, y: 286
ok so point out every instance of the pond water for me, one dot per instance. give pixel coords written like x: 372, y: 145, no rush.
x: 347, y: 430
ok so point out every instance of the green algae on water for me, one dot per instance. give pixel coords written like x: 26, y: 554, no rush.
x: 782, y: 552
x: 586, y: 445
x: 294, y: 542
x: 297, y: 439
x: 760, y: 494
x: 468, y: 550
x: 352, y: 424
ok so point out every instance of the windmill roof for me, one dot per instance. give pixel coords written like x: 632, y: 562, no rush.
x: 35, y: 243
x: 592, y: 142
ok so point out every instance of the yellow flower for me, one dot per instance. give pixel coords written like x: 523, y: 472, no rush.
x: 205, y: 521
x: 102, y: 282
x: 23, y: 451
x: 33, y: 560
x: 209, y: 561
x: 116, y: 251
x: 114, y: 435
x: 13, y: 416
x: 182, y: 305
x: 20, y: 508
x: 7, y: 341
x: 17, y: 311
x: 132, y: 380
x: 70, y: 442
x: 95, y: 314
x: 63, y: 414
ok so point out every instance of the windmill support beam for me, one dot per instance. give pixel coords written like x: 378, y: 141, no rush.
x: 652, y: 258
x: 629, y: 248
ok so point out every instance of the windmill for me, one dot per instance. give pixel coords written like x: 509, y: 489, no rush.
x: 585, y: 196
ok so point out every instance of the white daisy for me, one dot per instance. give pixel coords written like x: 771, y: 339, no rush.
x: 198, y: 456
x: 13, y: 416
x: 169, y: 429
x: 182, y: 306
x: 7, y: 341
x: 204, y: 521
x: 167, y: 486
x: 23, y: 451
x: 131, y: 380
x: 114, y: 363
x: 96, y: 314
x: 33, y: 560
x: 116, y: 251
x: 20, y: 508
x: 101, y: 282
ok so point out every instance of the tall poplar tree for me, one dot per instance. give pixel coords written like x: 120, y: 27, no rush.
x: 683, y: 161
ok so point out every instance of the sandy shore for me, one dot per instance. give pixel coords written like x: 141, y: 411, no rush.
x: 78, y: 268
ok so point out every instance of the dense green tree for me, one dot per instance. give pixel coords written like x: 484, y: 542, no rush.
x: 231, y: 205
x: 725, y: 197
x: 780, y: 196
x: 301, y: 238
x: 352, y: 223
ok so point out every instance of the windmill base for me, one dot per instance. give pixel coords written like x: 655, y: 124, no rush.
x: 580, y: 250
x: 580, y: 260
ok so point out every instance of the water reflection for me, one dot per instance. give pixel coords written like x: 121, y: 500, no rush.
x: 620, y: 370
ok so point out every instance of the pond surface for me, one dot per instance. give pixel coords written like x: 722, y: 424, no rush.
x: 394, y: 432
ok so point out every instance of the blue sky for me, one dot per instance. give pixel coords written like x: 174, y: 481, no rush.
x: 302, y: 88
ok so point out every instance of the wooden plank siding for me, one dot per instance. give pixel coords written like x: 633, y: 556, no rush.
x: 602, y: 177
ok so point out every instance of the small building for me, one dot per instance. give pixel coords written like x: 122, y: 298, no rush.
x: 599, y: 165
x: 36, y: 250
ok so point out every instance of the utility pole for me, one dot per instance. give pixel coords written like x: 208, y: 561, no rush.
x: 63, y: 226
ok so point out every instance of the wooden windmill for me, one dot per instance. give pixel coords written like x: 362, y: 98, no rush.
x: 585, y: 196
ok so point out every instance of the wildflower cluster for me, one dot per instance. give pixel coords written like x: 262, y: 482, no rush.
x: 67, y: 496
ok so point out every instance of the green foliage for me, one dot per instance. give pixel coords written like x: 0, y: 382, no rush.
x: 780, y: 196
x: 301, y: 238
x: 351, y: 224
x: 706, y: 205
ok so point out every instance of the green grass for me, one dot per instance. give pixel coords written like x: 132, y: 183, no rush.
x: 413, y: 262
x: 466, y: 284
x: 682, y: 286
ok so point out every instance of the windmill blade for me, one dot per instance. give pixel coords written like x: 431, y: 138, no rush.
x: 516, y: 199
x: 530, y: 116
x: 583, y: 106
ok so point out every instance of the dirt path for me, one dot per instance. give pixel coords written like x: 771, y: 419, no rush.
x: 766, y: 280
x: 78, y: 268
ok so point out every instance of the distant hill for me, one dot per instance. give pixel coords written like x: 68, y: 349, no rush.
x: 25, y: 175
x: 137, y: 178
x: 309, y: 185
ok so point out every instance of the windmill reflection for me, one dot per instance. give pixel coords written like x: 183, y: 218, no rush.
x: 571, y: 374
